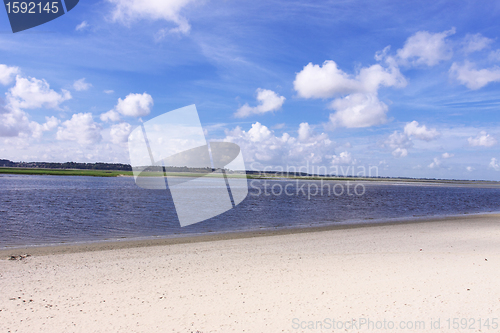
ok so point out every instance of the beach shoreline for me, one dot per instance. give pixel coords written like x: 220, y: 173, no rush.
x: 126, y: 243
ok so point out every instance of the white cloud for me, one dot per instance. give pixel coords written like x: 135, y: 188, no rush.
x: 81, y: 128
x: 358, y: 110
x: 473, y: 78
x: 469, y: 168
x: 13, y: 122
x: 27, y: 149
x: 7, y: 74
x: 259, y: 133
x: 306, y: 134
x: 400, y: 152
x: 28, y: 94
x: 120, y: 132
x: 82, y: 26
x: 477, y: 42
x: 109, y: 91
x: 128, y: 11
x: 81, y: 85
x: 494, y: 164
x: 435, y: 164
x: 373, y: 77
x: 324, y: 81
x: 425, y: 48
x: 482, y: 139
x: 135, y: 105
x: 420, y: 132
x: 50, y: 124
x: 111, y: 115
x: 447, y: 155
x: 328, y: 80
x: 269, y: 101
x: 261, y: 145
x: 400, y: 143
x: 361, y: 107
x: 344, y: 158
x: 33, y: 93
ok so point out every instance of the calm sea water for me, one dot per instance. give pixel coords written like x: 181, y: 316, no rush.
x: 37, y: 210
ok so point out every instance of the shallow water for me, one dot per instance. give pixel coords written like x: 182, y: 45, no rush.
x: 38, y: 210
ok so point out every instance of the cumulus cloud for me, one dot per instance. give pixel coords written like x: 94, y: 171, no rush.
x: 306, y: 134
x: 81, y: 85
x: 28, y: 93
x: 358, y: 110
x: 13, y: 121
x: 420, y: 132
x: 435, y: 164
x: 400, y: 152
x: 120, y: 132
x: 494, y: 164
x: 328, y: 80
x: 398, y: 140
x: 474, y: 43
x: 344, y: 158
x: 31, y: 93
x: 400, y: 143
x: 82, y: 26
x: 473, y: 78
x: 269, y: 101
x: 111, y: 115
x: 258, y: 133
x: 80, y: 128
x: 357, y: 103
x: 135, y: 105
x: 38, y: 129
x: 261, y: 145
x: 482, y: 139
x: 127, y: 11
x: 426, y: 48
x: 7, y: 74
x: 356, y: 96
x: 469, y: 168
x: 447, y: 155
x: 315, y: 81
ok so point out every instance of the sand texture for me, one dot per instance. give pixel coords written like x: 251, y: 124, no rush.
x: 425, y: 271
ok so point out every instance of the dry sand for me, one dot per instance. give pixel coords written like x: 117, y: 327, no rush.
x: 403, y: 274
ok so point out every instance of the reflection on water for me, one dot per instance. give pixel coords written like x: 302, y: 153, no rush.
x: 51, y: 209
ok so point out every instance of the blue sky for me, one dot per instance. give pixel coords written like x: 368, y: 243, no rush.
x: 293, y: 83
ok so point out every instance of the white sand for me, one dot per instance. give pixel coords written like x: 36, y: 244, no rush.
x: 261, y: 284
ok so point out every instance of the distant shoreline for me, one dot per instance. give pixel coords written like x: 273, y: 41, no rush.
x: 263, y: 175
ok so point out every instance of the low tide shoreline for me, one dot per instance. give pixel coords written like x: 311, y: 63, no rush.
x: 105, y: 245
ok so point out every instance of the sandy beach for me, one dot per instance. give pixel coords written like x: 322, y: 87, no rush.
x: 418, y: 277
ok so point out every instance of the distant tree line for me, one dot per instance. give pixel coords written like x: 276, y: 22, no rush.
x: 91, y: 166
x: 67, y: 165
